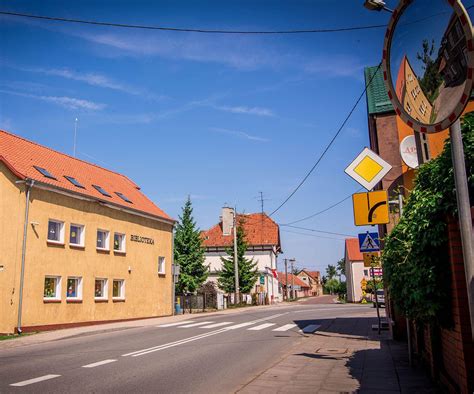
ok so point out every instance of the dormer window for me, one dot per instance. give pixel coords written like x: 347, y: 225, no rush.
x: 101, y: 191
x: 123, y: 197
x: 45, y: 172
x: 74, y: 181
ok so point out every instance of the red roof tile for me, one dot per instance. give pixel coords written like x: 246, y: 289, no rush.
x: 20, y: 155
x: 292, y: 279
x: 259, y: 230
x: 314, y: 274
x: 353, y: 251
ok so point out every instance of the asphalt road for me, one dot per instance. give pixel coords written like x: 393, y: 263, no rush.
x: 212, y: 353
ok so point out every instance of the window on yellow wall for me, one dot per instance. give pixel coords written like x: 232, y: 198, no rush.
x: 52, y: 288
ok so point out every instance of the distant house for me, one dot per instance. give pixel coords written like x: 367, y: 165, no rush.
x: 355, y: 270
x: 296, y: 287
x: 313, y: 279
x: 263, y: 246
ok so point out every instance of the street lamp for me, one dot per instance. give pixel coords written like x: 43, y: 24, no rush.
x: 376, y: 5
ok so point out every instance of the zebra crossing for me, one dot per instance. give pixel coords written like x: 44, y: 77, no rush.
x: 250, y: 326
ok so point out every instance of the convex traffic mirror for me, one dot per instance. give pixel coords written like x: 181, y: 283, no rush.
x: 428, y: 62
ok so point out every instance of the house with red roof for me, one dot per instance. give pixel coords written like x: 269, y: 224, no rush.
x: 296, y: 286
x: 263, y: 246
x: 80, y: 244
x: 356, y: 273
x: 313, y: 279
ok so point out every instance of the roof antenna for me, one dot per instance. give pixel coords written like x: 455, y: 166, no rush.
x: 75, y: 135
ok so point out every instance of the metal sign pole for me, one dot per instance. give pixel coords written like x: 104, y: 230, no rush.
x: 464, y: 212
x: 375, y: 297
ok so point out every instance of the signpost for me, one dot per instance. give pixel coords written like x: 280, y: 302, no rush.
x: 369, y: 242
x: 370, y: 208
x: 368, y: 168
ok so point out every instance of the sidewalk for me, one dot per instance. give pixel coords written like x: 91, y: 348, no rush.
x: 343, y: 355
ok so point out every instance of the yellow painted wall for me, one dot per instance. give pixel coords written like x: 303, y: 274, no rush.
x: 12, y: 208
x: 146, y: 293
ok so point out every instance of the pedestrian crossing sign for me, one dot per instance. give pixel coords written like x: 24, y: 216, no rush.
x: 369, y: 242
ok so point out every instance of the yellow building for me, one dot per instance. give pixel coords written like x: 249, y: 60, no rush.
x: 79, y: 244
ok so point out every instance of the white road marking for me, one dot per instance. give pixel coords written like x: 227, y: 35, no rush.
x: 224, y: 323
x: 311, y: 328
x: 286, y: 327
x: 261, y: 326
x: 249, y: 323
x: 98, y: 363
x: 196, y: 324
x: 142, y: 352
x: 176, y: 324
x: 35, y: 380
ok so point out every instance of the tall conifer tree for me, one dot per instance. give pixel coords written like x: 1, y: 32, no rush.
x: 189, y: 252
x: 248, y: 272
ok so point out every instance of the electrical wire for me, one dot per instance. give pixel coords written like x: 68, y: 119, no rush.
x: 317, y: 231
x: 312, y: 235
x: 189, y: 30
x: 330, y: 143
x: 325, y: 209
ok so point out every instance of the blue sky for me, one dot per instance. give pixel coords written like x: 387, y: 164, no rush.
x: 220, y: 118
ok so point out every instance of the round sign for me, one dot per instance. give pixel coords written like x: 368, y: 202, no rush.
x: 428, y: 62
x: 408, y: 151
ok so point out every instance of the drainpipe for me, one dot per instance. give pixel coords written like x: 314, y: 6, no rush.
x: 28, y: 187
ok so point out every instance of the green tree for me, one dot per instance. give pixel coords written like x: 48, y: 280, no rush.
x: 248, y: 272
x: 431, y: 80
x: 331, y: 271
x: 189, y: 252
x: 331, y: 286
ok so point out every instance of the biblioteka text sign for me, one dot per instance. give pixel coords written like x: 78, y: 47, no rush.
x: 143, y: 240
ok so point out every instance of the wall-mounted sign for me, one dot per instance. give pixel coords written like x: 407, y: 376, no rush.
x: 408, y: 151
x: 143, y: 240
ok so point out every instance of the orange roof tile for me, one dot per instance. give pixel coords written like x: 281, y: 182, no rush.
x: 259, y: 230
x: 21, y: 155
x: 292, y: 279
x: 353, y: 251
x: 314, y: 274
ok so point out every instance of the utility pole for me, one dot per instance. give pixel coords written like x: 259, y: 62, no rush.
x: 236, y: 263
x: 292, y: 279
x: 286, y: 279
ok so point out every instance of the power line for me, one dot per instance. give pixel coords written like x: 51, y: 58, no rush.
x: 325, y: 209
x: 330, y: 143
x: 312, y: 235
x: 317, y: 231
x: 189, y: 30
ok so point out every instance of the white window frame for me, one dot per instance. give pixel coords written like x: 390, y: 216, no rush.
x: 122, y: 289
x: 122, y: 248
x: 61, y: 232
x: 79, y: 288
x: 105, y: 289
x: 81, y: 234
x: 107, y: 239
x: 57, y: 296
x: 161, y: 265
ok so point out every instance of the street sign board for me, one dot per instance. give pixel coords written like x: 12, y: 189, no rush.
x: 369, y: 242
x: 370, y: 259
x: 363, y: 284
x: 262, y: 280
x: 378, y: 272
x: 368, y: 168
x: 370, y: 208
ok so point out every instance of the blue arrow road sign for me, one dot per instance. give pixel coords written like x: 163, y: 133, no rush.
x: 369, y: 242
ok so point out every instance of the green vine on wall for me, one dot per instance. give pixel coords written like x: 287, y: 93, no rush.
x: 415, y: 256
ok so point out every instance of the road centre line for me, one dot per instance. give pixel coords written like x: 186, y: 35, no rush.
x: 224, y: 323
x: 176, y: 324
x: 98, y: 363
x: 196, y: 324
x: 261, y: 326
x: 35, y: 380
x: 195, y: 338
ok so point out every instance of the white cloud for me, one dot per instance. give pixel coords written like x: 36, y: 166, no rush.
x: 240, y: 134
x: 245, y: 110
x: 334, y: 65
x: 66, y: 102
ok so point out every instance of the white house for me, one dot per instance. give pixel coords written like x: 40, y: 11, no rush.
x: 263, y: 246
x: 355, y: 270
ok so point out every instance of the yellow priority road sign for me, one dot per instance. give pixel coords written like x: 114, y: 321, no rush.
x: 370, y: 208
x: 368, y: 168
x: 369, y: 259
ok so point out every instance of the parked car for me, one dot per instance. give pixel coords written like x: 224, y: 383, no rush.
x: 380, y: 297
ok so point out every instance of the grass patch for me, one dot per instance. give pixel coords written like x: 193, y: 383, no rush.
x: 6, y: 337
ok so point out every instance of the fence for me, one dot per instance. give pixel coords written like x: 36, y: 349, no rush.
x: 194, y: 303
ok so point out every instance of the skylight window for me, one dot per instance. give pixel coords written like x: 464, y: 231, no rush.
x: 123, y: 197
x: 45, y: 172
x: 74, y: 181
x: 101, y: 191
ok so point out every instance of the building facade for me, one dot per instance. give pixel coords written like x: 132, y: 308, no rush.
x: 356, y: 273
x: 263, y: 246
x: 313, y: 279
x: 80, y: 244
x: 297, y: 287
